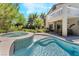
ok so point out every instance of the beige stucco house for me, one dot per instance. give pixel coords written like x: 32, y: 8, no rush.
x: 64, y: 18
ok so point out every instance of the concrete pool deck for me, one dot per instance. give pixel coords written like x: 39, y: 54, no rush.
x: 6, y: 44
x: 73, y: 38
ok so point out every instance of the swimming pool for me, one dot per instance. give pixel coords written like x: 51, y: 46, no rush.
x: 14, y: 34
x: 50, y: 46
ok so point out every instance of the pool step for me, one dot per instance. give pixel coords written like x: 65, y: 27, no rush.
x: 45, y: 42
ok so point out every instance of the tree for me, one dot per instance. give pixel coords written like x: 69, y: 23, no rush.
x: 20, y: 22
x: 43, y: 16
x: 38, y: 23
x: 9, y: 12
x: 31, y: 19
x: 21, y: 19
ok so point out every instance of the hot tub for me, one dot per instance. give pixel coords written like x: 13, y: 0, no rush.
x: 9, y: 44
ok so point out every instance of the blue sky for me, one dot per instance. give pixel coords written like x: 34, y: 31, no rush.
x: 28, y: 8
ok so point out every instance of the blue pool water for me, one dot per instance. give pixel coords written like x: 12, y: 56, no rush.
x: 14, y: 34
x: 50, y: 46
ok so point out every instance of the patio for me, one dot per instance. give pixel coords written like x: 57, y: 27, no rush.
x: 74, y: 39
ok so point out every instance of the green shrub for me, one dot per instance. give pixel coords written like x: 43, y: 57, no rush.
x: 29, y: 30
x: 2, y: 31
x: 34, y: 30
x: 13, y: 28
x: 41, y: 30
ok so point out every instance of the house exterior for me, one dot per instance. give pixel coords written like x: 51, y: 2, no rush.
x: 64, y: 18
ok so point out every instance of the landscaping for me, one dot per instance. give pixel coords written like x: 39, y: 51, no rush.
x: 12, y: 20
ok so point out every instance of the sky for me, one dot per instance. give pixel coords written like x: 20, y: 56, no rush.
x: 28, y: 8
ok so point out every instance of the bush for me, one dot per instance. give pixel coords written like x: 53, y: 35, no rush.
x: 29, y: 30
x: 41, y: 30
x: 33, y: 30
x: 13, y: 28
x: 2, y: 31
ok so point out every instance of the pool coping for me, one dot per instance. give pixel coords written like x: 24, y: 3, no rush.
x: 13, y: 32
x: 47, y: 34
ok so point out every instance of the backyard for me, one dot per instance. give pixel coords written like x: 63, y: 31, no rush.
x: 12, y: 20
x: 32, y: 30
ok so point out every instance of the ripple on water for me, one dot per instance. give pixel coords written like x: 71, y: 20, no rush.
x: 43, y: 48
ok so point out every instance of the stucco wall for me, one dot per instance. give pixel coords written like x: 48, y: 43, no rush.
x: 75, y: 28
